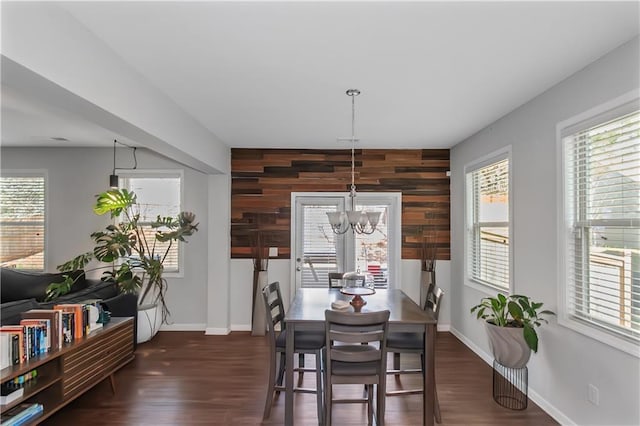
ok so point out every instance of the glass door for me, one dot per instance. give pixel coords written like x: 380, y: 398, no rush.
x: 316, y: 250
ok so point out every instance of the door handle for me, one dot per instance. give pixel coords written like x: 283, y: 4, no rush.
x: 298, y: 269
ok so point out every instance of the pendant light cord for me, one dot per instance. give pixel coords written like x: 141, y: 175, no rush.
x: 135, y: 159
x: 114, y: 157
x: 353, y: 143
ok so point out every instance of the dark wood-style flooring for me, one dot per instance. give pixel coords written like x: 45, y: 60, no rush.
x: 187, y: 378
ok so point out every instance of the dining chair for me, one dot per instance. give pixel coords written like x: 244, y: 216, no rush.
x: 346, y: 279
x: 335, y: 279
x: 305, y: 342
x: 355, y: 353
x: 404, y: 342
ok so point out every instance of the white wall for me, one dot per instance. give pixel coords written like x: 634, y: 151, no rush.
x: 567, y: 361
x: 84, y: 73
x: 279, y: 270
x: 75, y: 176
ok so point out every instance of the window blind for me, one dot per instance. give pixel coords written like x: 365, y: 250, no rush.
x: 157, y: 195
x: 602, y: 212
x: 22, y: 220
x: 488, y: 224
x: 372, y: 251
x: 320, y: 254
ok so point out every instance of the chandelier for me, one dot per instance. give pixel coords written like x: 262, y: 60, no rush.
x: 359, y: 221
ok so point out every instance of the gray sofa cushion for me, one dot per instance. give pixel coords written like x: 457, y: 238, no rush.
x: 96, y: 290
x: 17, y: 284
x: 10, y: 312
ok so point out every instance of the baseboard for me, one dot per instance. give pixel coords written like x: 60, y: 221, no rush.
x: 213, y: 331
x: 240, y: 327
x: 444, y: 327
x: 545, y: 405
x: 183, y: 327
x: 475, y: 348
x: 550, y: 409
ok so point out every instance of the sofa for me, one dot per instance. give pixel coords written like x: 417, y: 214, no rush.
x: 23, y: 290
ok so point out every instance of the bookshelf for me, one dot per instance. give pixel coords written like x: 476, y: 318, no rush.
x: 66, y: 373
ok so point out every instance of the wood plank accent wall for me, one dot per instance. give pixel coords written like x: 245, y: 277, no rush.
x: 262, y: 181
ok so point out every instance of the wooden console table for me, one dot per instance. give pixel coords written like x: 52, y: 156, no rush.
x: 65, y: 374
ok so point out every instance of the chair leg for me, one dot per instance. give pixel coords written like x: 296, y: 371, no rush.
x: 271, y: 385
x: 301, y: 366
x: 327, y: 402
x: 319, y: 393
x: 281, y: 372
x: 370, y: 404
x: 436, y: 408
x: 382, y: 400
x: 396, y: 362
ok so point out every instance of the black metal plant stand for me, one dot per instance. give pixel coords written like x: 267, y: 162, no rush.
x: 510, y: 386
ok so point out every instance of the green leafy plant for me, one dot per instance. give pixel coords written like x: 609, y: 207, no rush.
x: 514, y: 311
x: 128, y: 257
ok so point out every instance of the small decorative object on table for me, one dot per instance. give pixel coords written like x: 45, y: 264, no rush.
x: 357, y: 292
x: 339, y: 304
x: 357, y: 285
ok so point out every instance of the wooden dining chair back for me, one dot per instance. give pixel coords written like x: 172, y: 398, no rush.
x: 403, y: 342
x: 335, y: 279
x: 305, y: 342
x: 355, y: 353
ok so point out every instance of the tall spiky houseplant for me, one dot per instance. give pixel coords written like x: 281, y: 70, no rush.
x: 128, y: 256
x: 260, y: 253
x: 428, y: 250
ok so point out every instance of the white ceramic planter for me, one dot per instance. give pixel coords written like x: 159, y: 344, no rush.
x: 259, y: 317
x: 149, y: 322
x: 427, y: 279
x: 508, y: 345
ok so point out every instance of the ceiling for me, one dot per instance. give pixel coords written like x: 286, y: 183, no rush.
x: 274, y: 74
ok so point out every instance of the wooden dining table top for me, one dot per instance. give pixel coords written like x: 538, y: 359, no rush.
x: 309, y: 304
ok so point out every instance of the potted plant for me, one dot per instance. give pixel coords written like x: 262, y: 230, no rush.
x: 129, y: 257
x: 510, y: 323
x: 428, y: 250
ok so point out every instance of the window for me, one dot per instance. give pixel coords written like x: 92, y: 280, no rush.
x: 318, y: 251
x: 488, y: 248
x: 600, y: 225
x: 158, y: 194
x: 22, y: 220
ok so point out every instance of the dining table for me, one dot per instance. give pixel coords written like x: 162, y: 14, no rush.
x: 306, y: 312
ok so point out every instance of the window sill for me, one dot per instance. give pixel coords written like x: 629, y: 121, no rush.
x: 485, y: 288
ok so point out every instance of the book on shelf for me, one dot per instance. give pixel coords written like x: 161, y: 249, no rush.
x: 41, y: 332
x: 12, y: 396
x: 13, y: 389
x: 55, y: 318
x: 9, y: 349
x: 79, y: 328
x: 21, y: 414
x: 6, y: 358
x: 68, y: 327
x: 18, y: 349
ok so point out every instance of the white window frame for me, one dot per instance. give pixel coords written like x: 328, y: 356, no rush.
x: 487, y: 160
x: 36, y: 173
x: 600, y: 114
x: 159, y: 174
